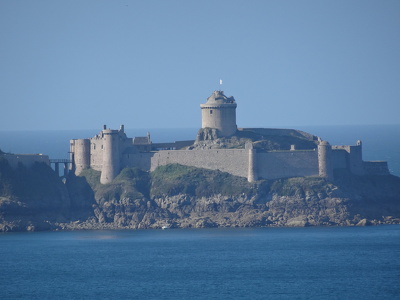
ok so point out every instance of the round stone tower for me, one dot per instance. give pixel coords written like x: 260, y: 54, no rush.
x: 219, y: 112
x: 252, y: 168
x: 111, y: 159
x: 80, y: 150
x: 325, y: 160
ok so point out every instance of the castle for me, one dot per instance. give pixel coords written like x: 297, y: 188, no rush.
x: 253, y: 153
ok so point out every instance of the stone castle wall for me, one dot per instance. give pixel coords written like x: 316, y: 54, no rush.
x: 111, y: 150
x: 267, y: 165
x: 376, y: 168
x: 90, y: 152
x: 110, y: 156
x: 233, y: 161
x: 283, y: 164
x: 270, y: 165
x: 340, y: 159
x: 96, y: 153
x: 349, y: 157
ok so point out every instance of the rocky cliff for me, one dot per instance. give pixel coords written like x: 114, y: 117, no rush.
x: 36, y: 198
x: 181, y: 197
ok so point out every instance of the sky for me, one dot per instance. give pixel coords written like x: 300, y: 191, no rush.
x: 151, y: 63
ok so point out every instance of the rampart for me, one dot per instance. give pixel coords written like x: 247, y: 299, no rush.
x: 349, y: 157
x: 253, y: 153
x: 376, y: 168
x: 112, y: 151
x: 269, y: 165
x: 284, y: 164
x: 233, y: 161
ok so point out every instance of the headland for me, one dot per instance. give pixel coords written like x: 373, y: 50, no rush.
x: 225, y: 177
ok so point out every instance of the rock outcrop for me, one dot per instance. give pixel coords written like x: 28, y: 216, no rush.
x: 183, y: 197
x: 35, y: 198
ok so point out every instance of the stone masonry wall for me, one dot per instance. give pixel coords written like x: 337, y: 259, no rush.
x: 353, y: 158
x: 283, y: 164
x: 270, y: 165
x: 96, y: 153
x: 81, y: 157
x: 339, y: 158
x: 222, y: 118
x: 376, y: 168
x: 233, y: 161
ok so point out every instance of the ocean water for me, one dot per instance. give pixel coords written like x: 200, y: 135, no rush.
x: 263, y: 263
x: 380, y: 142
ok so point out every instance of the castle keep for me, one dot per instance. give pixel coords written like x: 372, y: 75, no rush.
x: 253, y: 153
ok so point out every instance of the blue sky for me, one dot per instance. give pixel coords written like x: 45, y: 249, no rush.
x: 149, y: 64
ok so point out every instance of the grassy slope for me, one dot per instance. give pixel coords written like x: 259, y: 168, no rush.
x: 176, y: 179
x: 130, y: 183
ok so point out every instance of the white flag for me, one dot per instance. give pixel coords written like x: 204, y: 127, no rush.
x: 220, y: 81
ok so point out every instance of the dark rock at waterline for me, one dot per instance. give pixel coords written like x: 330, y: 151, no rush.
x: 187, y: 197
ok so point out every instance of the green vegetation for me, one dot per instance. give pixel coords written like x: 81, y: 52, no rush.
x: 6, y: 178
x: 299, y: 186
x: 38, y: 180
x: 92, y: 177
x: 168, y: 180
x: 174, y: 179
x: 265, y: 141
x: 138, y: 181
x: 131, y: 183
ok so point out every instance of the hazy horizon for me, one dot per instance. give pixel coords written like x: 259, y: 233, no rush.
x: 69, y: 65
x: 100, y: 128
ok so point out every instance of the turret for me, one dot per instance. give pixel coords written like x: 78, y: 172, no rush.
x: 219, y: 112
x: 325, y: 160
x: 80, y: 154
x: 111, y: 156
x: 252, y: 174
x: 355, y: 159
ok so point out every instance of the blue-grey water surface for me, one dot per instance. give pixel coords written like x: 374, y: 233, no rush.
x: 269, y: 263
x: 263, y: 263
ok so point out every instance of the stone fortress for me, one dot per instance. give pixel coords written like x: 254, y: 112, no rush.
x: 253, y: 153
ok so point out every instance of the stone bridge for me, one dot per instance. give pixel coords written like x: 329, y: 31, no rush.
x: 66, y: 163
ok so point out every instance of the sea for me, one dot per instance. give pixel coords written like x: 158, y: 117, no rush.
x: 217, y: 263
x: 239, y: 263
